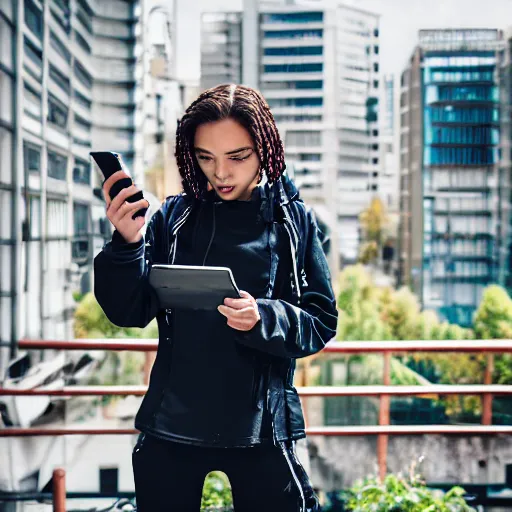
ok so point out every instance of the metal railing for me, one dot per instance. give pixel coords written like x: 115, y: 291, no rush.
x: 383, y: 430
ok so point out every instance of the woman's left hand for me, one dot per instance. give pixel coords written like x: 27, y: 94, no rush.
x: 242, y: 314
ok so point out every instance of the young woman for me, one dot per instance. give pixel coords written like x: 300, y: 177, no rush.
x: 221, y: 393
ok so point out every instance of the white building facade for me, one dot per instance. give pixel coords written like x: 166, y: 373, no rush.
x: 69, y: 72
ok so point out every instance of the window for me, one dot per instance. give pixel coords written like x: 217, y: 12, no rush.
x: 82, y: 123
x: 32, y: 52
x: 293, y: 17
x: 295, y: 102
x: 376, y: 84
x: 109, y: 478
x: 293, y: 68
x: 298, y: 84
x: 31, y: 158
x: 60, y: 79
x: 82, y: 75
x: 82, y: 42
x: 6, y: 96
x: 375, y: 147
x: 62, y: 21
x: 34, y: 19
x: 310, y: 157
x: 6, y: 36
x: 375, y: 133
x: 376, y: 32
x: 376, y: 67
x: 84, y: 18
x: 82, y: 100
x: 32, y: 102
x: 376, y: 49
x: 303, y: 138
x: 295, y: 51
x: 81, y: 218
x: 82, y: 172
x: 56, y: 218
x: 57, y: 165
x: 57, y: 112
x: 375, y: 161
x: 60, y: 47
x: 31, y: 218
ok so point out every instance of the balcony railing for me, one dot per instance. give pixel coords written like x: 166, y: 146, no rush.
x: 383, y: 430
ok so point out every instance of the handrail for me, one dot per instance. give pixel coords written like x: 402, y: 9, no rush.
x: 365, y: 430
x: 338, y: 347
x: 384, y: 392
x: 323, y: 391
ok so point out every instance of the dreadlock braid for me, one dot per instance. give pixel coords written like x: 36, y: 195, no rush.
x: 245, y: 105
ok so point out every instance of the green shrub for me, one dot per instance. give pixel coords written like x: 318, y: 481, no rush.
x: 403, y: 493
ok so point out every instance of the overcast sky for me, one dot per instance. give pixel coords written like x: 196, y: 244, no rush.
x: 400, y: 22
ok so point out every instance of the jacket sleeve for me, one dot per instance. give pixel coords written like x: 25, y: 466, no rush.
x: 121, y: 273
x: 292, y: 331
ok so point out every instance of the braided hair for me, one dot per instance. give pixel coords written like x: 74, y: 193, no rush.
x: 243, y: 104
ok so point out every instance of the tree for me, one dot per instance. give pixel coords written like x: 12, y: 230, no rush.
x: 493, y: 320
x: 117, y: 367
x: 375, y: 222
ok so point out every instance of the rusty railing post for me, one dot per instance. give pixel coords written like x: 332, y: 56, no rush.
x: 382, y: 439
x: 59, y: 490
x: 487, y: 398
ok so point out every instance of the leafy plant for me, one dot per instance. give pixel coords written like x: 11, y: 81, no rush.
x: 216, y: 493
x: 403, y: 493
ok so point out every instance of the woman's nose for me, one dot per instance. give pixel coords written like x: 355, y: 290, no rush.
x: 221, y: 172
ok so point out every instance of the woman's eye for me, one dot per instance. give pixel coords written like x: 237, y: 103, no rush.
x: 240, y: 159
x: 205, y: 158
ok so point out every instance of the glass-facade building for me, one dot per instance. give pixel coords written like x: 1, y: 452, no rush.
x: 450, y: 242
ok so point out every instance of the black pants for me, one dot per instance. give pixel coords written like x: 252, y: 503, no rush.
x: 169, y: 477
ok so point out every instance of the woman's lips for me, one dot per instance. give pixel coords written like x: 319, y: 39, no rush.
x: 226, y: 190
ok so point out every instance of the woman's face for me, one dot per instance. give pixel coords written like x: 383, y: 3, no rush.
x: 227, y: 156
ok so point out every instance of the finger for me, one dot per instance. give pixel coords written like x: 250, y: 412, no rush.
x: 240, y: 314
x: 223, y: 310
x: 112, y: 179
x: 238, y: 303
x: 128, y: 209
x: 107, y: 198
x: 118, y: 201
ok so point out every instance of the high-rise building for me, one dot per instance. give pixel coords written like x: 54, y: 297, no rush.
x: 449, y: 186
x: 68, y: 81
x: 505, y: 167
x: 221, y: 48
x: 318, y: 68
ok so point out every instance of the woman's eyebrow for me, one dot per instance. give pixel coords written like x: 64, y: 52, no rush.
x: 234, y: 151
x: 238, y: 150
x: 201, y: 150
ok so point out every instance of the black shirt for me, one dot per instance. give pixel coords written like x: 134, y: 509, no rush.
x: 229, y: 234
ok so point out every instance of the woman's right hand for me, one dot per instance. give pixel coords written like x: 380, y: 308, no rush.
x: 120, y: 212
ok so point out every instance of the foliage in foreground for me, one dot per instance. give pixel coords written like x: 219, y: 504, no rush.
x: 403, y: 493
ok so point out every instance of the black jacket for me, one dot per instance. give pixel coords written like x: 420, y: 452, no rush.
x: 297, y: 319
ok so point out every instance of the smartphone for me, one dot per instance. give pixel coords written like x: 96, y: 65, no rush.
x: 108, y: 163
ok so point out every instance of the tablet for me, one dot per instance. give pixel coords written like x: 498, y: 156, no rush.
x: 192, y: 287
